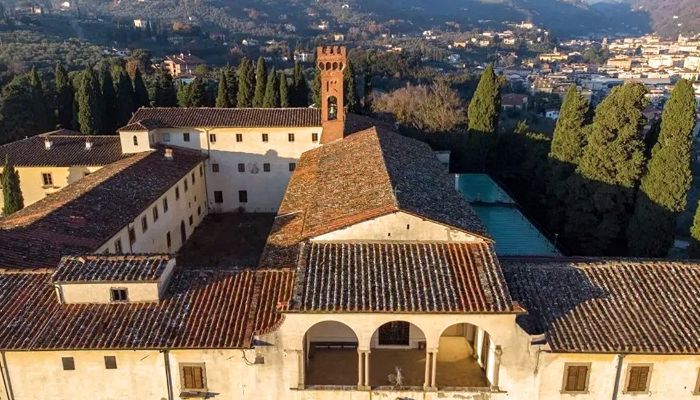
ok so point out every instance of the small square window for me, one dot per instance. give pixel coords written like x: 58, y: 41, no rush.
x: 119, y: 294
x: 576, y: 378
x: 239, y: 137
x: 47, y: 179
x: 132, y: 236
x: 191, y: 220
x: 68, y: 363
x: 110, y: 362
x: 199, y: 210
x: 193, y: 178
x: 193, y: 377
x: 314, y: 137
x: 212, y: 137
x: 177, y: 192
x: 265, y: 137
x: 215, y: 168
x: 136, y: 140
x: 292, y: 166
x: 165, y: 204
x: 155, y: 213
x: 241, y: 167
x: 218, y: 196
x: 638, y: 378
x: 201, y: 170
x: 266, y: 167
x: 185, y: 137
x: 144, y: 224
x: 118, y: 246
x: 187, y: 186
x: 290, y: 137
x: 242, y: 196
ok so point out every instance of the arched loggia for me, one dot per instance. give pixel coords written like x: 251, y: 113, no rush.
x: 330, y: 349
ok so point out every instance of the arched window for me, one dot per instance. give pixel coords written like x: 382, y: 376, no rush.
x: 332, y: 108
x: 136, y: 140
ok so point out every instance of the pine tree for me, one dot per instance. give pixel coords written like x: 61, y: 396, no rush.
x: 164, y: 94
x: 260, y: 83
x: 246, y: 84
x: 109, y: 100
x: 609, y: 170
x: 284, y: 90
x: 485, y: 106
x: 11, y: 189
x: 569, y: 138
x: 90, y: 107
x: 140, y: 91
x: 40, y: 108
x: 125, y: 98
x: 300, y: 89
x: 197, y: 93
x: 694, y: 248
x: 352, y: 101
x: 272, y: 94
x: 664, y: 189
x: 222, y: 91
x: 64, y: 98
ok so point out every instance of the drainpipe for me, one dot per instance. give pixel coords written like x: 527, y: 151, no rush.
x: 6, y: 377
x: 618, y: 373
x: 206, y: 170
x: 168, y: 374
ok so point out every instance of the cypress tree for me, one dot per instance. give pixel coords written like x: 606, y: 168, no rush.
x: 569, y: 138
x: 260, y: 83
x: 300, y: 89
x: 246, y: 83
x: 109, y: 100
x: 89, y: 105
x: 164, y: 93
x: 316, y: 89
x: 352, y: 101
x: 197, y: 93
x: 284, y: 90
x: 367, y: 92
x: 222, y: 91
x: 694, y: 248
x: 140, y: 91
x: 11, y: 190
x: 125, y: 98
x: 664, y: 188
x: 40, y: 107
x: 485, y: 106
x: 232, y: 84
x: 602, y: 189
x: 64, y: 98
x: 272, y: 94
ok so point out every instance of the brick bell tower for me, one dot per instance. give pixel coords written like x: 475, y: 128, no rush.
x: 332, y: 60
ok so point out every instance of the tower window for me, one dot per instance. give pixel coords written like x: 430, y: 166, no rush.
x: 332, y: 108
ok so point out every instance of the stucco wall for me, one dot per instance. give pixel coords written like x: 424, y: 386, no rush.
x: 32, y: 183
x: 398, y: 226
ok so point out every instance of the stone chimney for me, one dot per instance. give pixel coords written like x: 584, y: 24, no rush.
x: 48, y: 143
x: 88, y: 144
x: 168, y: 153
x: 332, y: 60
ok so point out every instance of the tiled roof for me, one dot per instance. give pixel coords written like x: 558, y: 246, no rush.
x: 400, y: 277
x: 620, y: 306
x: 366, y: 175
x: 200, y: 309
x: 223, y: 117
x: 111, y: 268
x: 67, y: 149
x: 85, y: 214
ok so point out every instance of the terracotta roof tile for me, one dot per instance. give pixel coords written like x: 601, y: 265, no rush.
x: 83, y: 215
x: 200, y: 309
x: 620, y: 306
x: 366, y: 175
x: 111, y: 268
x: 223, y: 117
x: 66, y: 150
x: 400, y: 277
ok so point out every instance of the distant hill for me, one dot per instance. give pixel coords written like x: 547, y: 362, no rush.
x: 671, y: 17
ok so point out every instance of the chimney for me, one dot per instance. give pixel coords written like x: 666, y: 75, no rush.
x: 88, y: 144
x: 168, y: 153
x: 332, y: 60
x: 48, y: 143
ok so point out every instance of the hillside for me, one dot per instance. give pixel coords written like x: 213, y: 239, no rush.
x: 670, y: 17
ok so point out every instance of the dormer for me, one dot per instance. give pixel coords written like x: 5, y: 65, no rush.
x: 112, y: 279
x: 136, y: 137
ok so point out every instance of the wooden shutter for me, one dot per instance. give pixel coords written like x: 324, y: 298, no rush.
x: 576, y: 378
x: 638, y: 379
x: 193, y: 377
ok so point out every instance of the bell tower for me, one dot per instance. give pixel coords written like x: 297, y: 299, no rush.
x: 332, y: 60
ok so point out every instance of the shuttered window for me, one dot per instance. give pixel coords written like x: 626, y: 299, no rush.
x: 576, y: 378
x: 638, y: 378
x: 193, y: 377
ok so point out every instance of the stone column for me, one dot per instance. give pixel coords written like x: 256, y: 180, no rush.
x: 496, y: 367
x: 360, y: 369
x: 301, y: 379
x: 366, y: 386
x: 428, y: 364
x: 433, y: 384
